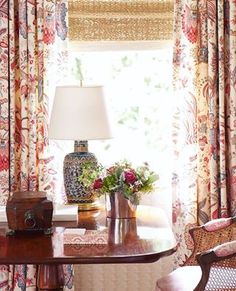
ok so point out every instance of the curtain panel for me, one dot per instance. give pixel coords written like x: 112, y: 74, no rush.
x: 32, y: 52
x: 205, y: 120
x: 120, y: 20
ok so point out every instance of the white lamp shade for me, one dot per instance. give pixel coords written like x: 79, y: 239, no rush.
x: 79, y: 113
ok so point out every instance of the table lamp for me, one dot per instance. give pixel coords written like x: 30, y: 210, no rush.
x: 79, y: 113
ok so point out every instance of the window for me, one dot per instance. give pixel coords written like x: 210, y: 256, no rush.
x: 137, y: 84
x: 126, y: 47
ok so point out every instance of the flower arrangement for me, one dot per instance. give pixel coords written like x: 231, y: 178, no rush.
x: 121, y: 177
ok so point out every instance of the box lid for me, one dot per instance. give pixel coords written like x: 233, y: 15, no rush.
x: 33, y: 196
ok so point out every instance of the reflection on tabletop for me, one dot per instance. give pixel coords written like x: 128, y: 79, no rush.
x: 136, y: 235
x: 145, y: 238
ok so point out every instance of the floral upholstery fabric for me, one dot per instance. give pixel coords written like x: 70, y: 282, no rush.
x: 225, y: 249
x: 217, y: 224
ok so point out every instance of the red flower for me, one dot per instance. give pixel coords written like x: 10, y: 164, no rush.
x: 97, y: 184
x: 130, y: 177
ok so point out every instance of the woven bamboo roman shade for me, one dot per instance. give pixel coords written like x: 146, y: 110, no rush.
x: 120, y: 20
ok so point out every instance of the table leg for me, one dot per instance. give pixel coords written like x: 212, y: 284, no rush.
x: 50, y: 277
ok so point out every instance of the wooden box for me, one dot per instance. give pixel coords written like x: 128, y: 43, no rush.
x: 29, y: 211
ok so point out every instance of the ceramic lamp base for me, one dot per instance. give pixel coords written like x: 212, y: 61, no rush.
x: 75, y: 191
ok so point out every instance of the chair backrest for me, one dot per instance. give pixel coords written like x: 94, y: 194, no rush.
x: 210, y: 235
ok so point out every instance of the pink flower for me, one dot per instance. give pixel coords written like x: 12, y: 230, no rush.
x: 130, y: 177
x: 97, y: 184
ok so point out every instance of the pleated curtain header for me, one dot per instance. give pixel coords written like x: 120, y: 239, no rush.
x: 120, y: 20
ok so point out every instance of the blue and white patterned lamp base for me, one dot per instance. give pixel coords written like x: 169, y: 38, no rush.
x: 75, y: 191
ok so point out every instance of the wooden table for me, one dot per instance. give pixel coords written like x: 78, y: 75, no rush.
x: 142, y: 240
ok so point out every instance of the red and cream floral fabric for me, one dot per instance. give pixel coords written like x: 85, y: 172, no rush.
x: 217, y: 224
x: 30, y: 60
x: 204, y: 135
x: 225, y: 249
x: 32, y: 55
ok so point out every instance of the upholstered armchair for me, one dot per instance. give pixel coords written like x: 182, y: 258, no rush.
x: 212, y: 263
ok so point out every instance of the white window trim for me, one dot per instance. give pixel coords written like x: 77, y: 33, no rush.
x: 80, y: 46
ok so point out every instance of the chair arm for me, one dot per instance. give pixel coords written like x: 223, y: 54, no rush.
x: 224, y: 250
x: 211, y: 234
x: 218, y: 262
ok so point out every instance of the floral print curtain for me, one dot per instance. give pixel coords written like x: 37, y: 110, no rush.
x: 204, y: 134
x: 32, y: 52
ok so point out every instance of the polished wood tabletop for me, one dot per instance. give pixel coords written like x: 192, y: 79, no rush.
x: 144, y: 239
